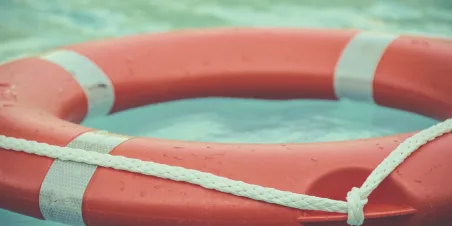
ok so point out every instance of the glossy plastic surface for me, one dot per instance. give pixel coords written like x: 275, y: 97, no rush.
x: 414, y: 75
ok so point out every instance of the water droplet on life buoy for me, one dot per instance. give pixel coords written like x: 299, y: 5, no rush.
x: 8, y: 95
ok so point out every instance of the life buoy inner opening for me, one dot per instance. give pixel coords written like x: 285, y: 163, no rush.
x: 230, y: 120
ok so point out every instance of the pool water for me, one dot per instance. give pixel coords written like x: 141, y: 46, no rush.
x: 261, y: 121
x: 33, y: 26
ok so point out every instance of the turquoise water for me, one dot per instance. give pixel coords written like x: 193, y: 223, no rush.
x: 32, y: 26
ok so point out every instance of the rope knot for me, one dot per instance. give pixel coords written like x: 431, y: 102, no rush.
x: 355, y: 207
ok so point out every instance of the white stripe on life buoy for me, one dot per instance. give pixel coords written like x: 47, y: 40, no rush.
x: 63, y: 188
x: 355, y: 70
x: 95, y: 83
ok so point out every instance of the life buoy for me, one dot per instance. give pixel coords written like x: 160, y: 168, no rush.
x: 43, y: 98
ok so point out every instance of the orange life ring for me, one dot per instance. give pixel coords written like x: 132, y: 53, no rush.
x: 43, y: 99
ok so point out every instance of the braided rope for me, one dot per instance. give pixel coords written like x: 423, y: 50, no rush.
x: 356, y: 198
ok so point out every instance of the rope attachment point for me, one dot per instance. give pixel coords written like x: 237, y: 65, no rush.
x: 356, y: 205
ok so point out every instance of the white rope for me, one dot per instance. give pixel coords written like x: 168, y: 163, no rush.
x: 356, y: 198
